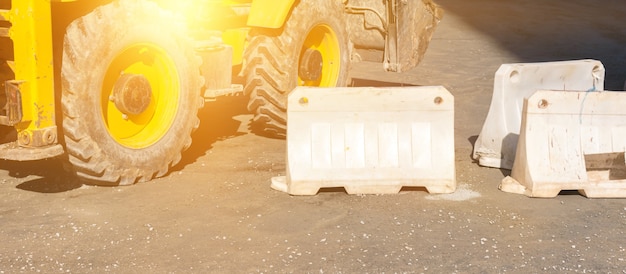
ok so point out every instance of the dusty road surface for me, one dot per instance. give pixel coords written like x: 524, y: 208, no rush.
x: 216, y: 213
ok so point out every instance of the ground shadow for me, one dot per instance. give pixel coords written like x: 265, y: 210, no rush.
x: 538, y: 31
x: 332, y: 190
x: 217, y: 122
x: 569, y: 193
x: 54, y: 184
x: 472, y: 140
x: 341, y: 189
x: 51, y: 176
x: 356, y: 82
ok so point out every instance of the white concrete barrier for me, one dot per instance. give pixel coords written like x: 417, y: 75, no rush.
x: 369, y: 140
x: 495, y: 146
x: 571, y: 141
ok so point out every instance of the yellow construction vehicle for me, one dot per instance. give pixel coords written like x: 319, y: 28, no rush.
x: 115, y: 85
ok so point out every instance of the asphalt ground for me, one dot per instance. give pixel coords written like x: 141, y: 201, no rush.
x: 216, y: 212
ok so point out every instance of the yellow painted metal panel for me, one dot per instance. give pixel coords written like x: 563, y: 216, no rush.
x: 237, y: 39
x: 269, y: 13
x: 31, y: 33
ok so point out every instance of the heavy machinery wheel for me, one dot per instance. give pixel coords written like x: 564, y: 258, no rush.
x: 311, y: 49
x: 131, y: 92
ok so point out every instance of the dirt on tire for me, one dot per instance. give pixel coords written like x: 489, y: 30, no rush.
x: 272, y: 62
x: 93, y: 153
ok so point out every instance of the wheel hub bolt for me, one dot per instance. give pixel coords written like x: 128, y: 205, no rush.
x: 132, y: 94
x: 311, y: 65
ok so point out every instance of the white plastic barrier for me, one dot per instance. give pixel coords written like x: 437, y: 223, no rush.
x: 495, y: 146
x: 369, y: 140
x: 571, y: 141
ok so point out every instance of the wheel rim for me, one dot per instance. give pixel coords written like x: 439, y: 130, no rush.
x: 322, y: 39
x: 154, y: 67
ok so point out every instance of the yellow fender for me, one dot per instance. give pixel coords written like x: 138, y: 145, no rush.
x: 269, y: 13
x: 263, y: 13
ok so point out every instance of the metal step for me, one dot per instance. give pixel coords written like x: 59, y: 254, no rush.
x: 12, y: 151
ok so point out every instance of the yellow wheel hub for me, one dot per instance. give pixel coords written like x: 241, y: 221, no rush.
x: 320, y: 58
x: 140, y: 95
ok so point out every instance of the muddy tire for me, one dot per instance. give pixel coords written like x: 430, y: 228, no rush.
x: 131, y: 93
x: 311, y: 49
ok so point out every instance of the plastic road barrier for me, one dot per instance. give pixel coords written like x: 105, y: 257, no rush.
x: 571, y: 141
x: 369, y: 140
x: 495, y: 146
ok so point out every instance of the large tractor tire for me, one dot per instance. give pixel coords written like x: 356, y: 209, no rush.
x: 131, y: 93
x: 311, y: 49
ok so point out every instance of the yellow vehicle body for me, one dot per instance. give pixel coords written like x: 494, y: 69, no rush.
x: 116, y: 84
x: 31, y: 33
x: 33, y: 66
